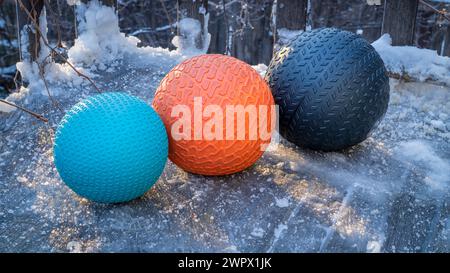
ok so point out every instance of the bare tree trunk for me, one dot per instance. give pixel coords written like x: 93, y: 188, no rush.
x: 292, y: 14
x: 109, y: 3
x: 252, y: 37
x: 34, y: 7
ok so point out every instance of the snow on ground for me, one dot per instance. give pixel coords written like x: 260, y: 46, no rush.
x: 261, y: 69
x: 388, y: 194
x: 419, y: 152
x: 285, y: 35
x: 102, y: 48
x: 420, y: 64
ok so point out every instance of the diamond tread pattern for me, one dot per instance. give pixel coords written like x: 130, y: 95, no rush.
x: 219, y: 80
x: 332, y: 89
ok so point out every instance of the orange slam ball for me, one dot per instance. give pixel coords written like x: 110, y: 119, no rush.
x: 214, y: 80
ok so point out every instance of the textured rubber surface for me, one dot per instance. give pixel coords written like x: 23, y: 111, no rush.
x: 219, y: 80
x: 110, y: 147
x: 332, y: 89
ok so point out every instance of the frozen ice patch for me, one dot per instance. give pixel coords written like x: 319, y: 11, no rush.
x: 374, y: 247
x: 282, y: 202
x: 279, y: 231
x: 257, y: 232
x: 294, y: 166
x: 74, y: 247
x: 437, y: 169
x: 438, y: 125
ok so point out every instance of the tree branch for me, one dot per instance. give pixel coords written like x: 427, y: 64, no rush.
x: 39, y: 117
x: 441, y: 12
x: 46, y: 43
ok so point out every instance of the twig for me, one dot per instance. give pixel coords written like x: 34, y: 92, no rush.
x: 178, y: 17
x: 58, y: 21
x: 44, y: 40
x: 18, y: 31
x: 441, y: 12
x: 41, y: 72
x: 39, y: 117
x: 225, y: 18
x: 75, y: 22
x: 274, y: 24
x: 217, y: 6
x: 167, y: 15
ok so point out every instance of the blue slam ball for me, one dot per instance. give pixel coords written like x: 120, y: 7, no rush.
x: 110, y: 148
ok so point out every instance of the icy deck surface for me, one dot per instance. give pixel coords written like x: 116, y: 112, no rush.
x: 391, y: 193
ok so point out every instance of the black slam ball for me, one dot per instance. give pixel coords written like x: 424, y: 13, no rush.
x: 332, y: 89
